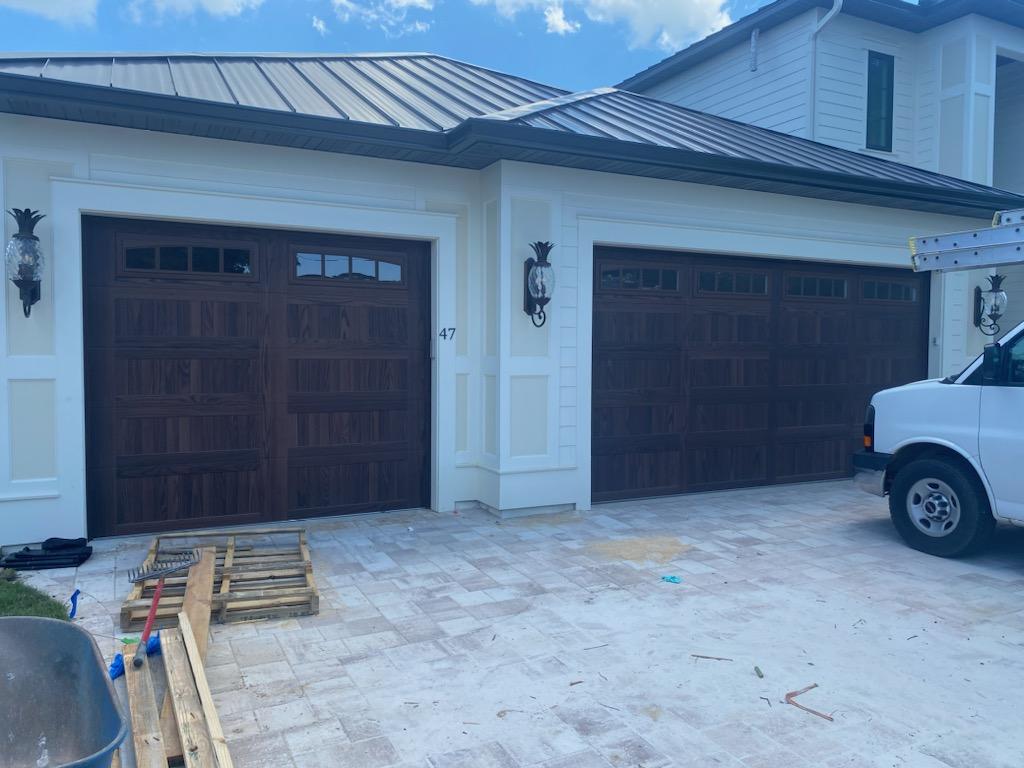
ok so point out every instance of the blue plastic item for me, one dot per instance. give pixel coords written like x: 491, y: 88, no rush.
x: 74, y: 603
x: 57, y: 704
x: 117, y: 665
x: 672, y: 579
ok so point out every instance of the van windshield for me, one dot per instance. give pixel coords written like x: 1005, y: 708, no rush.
x: 952, y: 378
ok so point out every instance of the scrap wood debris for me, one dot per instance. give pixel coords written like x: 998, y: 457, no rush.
x: 791, y: 699
x: 710, y: 658
x: 260, y: 573
x: 187, y: 725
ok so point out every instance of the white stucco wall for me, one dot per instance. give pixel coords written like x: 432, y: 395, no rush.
x: 511, y: 403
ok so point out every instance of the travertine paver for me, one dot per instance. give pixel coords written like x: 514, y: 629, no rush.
x: 463, y: 641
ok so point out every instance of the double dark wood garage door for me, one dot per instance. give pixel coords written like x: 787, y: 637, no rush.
x: 245, y: 375
x: 712, y: 372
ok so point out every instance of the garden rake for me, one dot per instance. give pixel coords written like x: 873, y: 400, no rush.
x: 158, y: 569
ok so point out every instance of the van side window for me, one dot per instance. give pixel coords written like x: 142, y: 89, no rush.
x: 1015, y: 364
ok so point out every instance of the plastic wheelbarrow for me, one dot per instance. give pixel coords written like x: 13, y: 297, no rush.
x: 57, y: 704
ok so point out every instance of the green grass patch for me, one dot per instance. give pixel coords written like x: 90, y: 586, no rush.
x: 17, y: 599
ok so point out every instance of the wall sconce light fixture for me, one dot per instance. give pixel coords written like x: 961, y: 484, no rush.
x: 539, y: 282
x: 25, y: 257
x: 989, y: 305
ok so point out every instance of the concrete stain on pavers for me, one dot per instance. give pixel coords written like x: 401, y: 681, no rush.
x: 644, y: 549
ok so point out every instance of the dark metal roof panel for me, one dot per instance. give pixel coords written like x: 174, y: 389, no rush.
x: 344, y: 97
x: 302, y: 94
x: 250, y: 86
x: 27, y: 67
x: 152, y: 75
x: 630, y: 117
x: 86, y: 71
x: 419, y: 91
x: 200, y: 79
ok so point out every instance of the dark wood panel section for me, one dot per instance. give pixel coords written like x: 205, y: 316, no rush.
x: 223, y: 388
x: 717, y: 372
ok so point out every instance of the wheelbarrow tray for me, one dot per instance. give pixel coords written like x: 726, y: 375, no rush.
x: 57, y: 704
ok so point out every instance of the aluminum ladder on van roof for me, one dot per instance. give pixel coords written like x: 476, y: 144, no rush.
x: 995, y: 246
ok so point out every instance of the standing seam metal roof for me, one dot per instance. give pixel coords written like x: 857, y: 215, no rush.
x: 427, y: 108
x: 414, y: 90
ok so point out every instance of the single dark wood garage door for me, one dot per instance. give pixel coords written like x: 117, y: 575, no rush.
x: 712, y: 372
x: 247, y: 375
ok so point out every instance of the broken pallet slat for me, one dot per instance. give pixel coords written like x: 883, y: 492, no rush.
x: 220, y: 745
x: 196, y: 747
x: 145, y: 718
x: 225, y: 584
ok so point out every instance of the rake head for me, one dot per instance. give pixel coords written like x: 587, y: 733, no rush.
x: 164, y: 567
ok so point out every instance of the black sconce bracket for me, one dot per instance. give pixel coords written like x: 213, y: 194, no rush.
x: 28, y: 292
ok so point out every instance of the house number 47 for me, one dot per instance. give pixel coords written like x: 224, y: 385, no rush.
x: 447, y: 333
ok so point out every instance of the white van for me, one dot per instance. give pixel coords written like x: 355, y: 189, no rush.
x: 949, y: 452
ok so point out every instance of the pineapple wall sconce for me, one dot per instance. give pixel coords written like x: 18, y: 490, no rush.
x: 539, y: 282
x: 25, y: 257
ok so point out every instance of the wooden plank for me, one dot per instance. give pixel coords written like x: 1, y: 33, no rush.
x: 198, y: 596
x: 195, y: 657
x: 225, y: 584
x: 197, y: 749
x: 314, y: 603
x: 231, y: 532
x: 145, y: 719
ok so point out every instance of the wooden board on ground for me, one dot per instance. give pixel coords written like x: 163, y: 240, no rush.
x: 143, y: 714
x: 259, y: 573
x: 197, y: 748
x: 198, y: 596
x: 213, y: 726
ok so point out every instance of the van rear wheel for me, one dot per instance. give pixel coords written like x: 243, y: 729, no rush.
x: 939, y: 508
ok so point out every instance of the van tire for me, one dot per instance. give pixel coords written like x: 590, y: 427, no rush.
x: 940, y: 508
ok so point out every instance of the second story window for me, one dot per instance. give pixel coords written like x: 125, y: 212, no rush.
x: 881, y: 68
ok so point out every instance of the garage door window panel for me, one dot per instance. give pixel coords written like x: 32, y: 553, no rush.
x: 370, y: 268
x: 184, y: 258
x: 732, y: 282
x: 618, y: 277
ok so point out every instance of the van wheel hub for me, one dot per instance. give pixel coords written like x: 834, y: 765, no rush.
x: 933, y: 507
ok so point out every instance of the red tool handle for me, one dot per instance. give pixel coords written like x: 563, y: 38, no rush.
x: 140, y: 652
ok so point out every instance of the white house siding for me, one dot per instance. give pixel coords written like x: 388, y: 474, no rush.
x: 510, y: 404
x: 774, y: 96
x: 842, y: 78
x: 1008, y: 158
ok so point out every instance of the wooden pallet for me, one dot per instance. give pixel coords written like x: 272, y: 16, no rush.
x: 261, y: 573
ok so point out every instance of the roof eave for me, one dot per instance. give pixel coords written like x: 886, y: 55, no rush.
x: 732, y: 172
x: 475, y: 143
x: 44, y: 97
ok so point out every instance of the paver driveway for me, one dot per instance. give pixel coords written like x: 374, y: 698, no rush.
x: 463, y: 641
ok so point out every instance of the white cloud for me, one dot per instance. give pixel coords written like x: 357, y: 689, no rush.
x: 390, y: 16
x: 67, y: 11
x: 320, y: 26
x: 669, y: 24
x: 554, y: 17
x: 221, y: 8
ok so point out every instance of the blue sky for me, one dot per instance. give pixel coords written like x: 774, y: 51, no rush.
x: 575, y: 44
